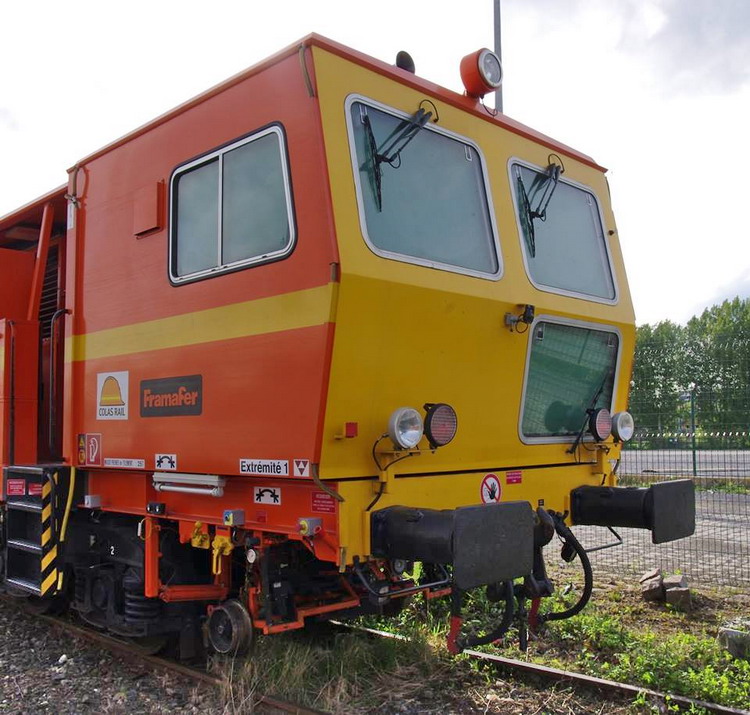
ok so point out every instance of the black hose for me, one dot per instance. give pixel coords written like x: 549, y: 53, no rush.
x: 588, y: 574
x: 500, y: 630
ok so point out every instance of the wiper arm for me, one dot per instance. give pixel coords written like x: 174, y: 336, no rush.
x: 529, y: 214
x: 589, y: 412
x: 550, y: 184
x: 393, y: 145
x: 402, y: 135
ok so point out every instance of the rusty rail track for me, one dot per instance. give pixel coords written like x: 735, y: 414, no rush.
x: 577, y: 679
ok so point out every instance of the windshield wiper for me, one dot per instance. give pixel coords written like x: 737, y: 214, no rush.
x: 530, y: 213
x: 394, y: 144
x: 589, y: 412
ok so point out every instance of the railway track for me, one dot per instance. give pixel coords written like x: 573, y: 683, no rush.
x: 262, y: 703
x: 577, y: 679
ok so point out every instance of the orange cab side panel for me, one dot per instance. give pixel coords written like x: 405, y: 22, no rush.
x: 238, y: 353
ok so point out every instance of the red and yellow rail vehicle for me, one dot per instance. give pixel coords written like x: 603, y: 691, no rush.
x: 323, y: 320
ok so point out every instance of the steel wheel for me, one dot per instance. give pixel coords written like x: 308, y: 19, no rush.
x: 230, y: 630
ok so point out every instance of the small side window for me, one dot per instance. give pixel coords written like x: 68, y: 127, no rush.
x: 231, y: 208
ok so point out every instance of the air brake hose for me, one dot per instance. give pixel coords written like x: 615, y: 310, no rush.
x: 588, y: 575
x: 457, y: 642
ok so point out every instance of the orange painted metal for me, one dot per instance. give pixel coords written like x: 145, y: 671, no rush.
x: 151, y: 556
x: 19, y: 391
x: 200, y: 592
x: 40, y: 264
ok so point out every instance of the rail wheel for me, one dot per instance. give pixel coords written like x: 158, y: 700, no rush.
x: 230, y: 630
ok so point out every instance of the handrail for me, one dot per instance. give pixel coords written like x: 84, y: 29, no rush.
x: 52, y: 424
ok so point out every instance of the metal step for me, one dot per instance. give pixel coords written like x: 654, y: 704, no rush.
x: 24, y: 585
x: 24, y: 506
x: 23, y: 545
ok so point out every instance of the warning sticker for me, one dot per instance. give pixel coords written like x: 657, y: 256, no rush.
x: 265, y: 467
x: 94, y: 449
x: 125, y: 463
x: 166, y: 461
x: 301, y: 467
x: 513, y: 477
x: 490, y: 490
x: 81, y: 449
x: 15, y: 487
x: 112, y: 395
x: 323, y: 503
x: 267, y: 495
x: 35, y: 489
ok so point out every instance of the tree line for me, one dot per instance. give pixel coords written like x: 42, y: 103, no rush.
x: 694, y: 376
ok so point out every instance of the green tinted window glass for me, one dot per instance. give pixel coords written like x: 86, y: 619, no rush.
x: 571, y: 369
x: 430, y: 204
x: 566, y: 249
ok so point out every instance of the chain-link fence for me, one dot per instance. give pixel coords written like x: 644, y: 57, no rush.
x: 719, y: 464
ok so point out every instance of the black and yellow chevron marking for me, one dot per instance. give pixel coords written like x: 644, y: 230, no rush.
x: 48, y: 578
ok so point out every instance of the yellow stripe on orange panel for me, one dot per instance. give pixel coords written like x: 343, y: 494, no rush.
x: 289, y: 311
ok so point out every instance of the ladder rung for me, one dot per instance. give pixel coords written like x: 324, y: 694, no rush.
x: 24, y: 585
x: 23, y: 545
x: 24, y: 506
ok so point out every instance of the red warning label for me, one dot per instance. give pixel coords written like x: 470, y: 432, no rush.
x: 15, y: 487
x: 35, y: 489
x: 323, y: 503
x: 513, y: 477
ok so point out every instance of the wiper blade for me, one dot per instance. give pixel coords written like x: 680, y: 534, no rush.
x: 527, y: 218
x: 376, y: 173
x: 390, y: 153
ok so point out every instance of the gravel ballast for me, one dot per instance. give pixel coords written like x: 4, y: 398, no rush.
x: 45, y: 670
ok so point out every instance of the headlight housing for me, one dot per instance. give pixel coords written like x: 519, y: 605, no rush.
x: 405, y: 427
x: 623, y: 426
x: 600, y: 424
x: 440, y: 424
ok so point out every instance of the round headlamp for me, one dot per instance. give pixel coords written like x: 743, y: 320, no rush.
x: 440, y: 424
x: 623, y: 426
x: 405, y: 427
x: 481, y: 72
x: 600, y: 424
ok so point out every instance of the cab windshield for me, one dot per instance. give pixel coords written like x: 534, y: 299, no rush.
x: 571, y: 370
x: 562, y: 235
x: 425, y: 202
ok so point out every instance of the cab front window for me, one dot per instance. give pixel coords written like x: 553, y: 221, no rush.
x: 561, y: 231
x: 422, y: 192
x: 571, y: 369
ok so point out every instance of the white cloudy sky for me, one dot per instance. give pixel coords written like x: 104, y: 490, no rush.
x: 656, y: 90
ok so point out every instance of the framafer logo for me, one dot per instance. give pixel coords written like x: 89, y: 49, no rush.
x: 172, y: 396
x: 112, y: 395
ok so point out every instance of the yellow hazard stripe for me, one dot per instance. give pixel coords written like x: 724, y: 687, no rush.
x: 46, y: 536
x: 46, y: 489
x: 49, y: 558
x: 289, y: 311
x: 49, y: 581
x: 46, y: 512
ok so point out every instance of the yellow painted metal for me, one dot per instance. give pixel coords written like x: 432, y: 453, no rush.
x: 200, y: 538
x: 221, y: 546
x: 298, y: 309
x: 407, y: 334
